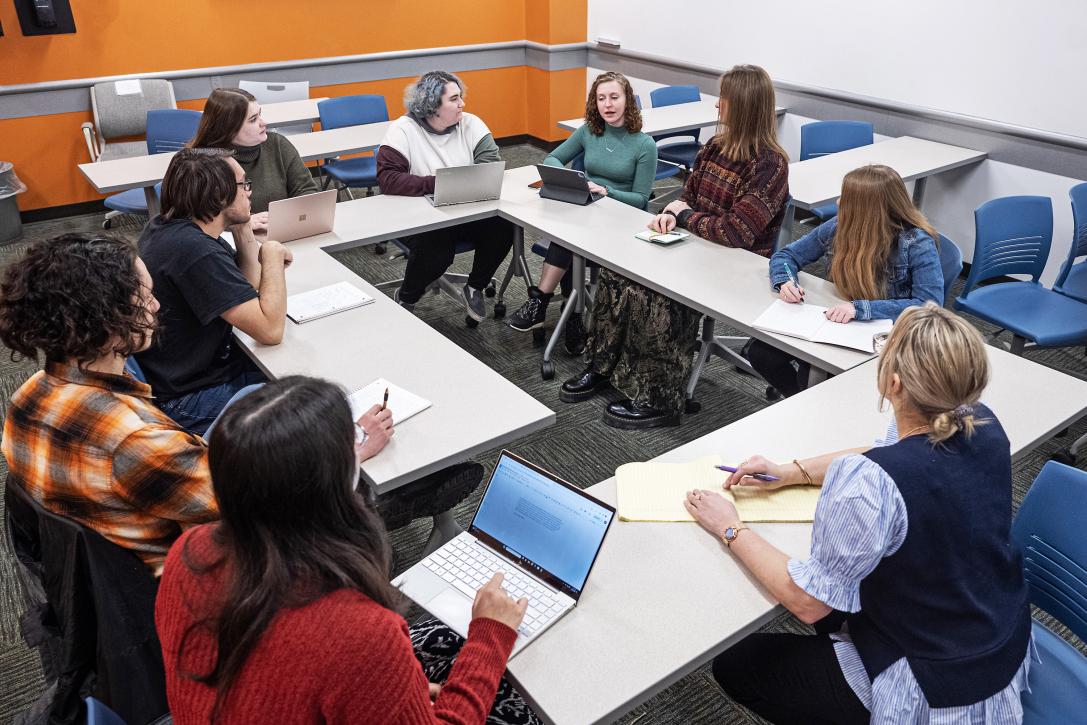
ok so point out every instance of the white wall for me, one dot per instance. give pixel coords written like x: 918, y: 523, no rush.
x: 1005, y: 60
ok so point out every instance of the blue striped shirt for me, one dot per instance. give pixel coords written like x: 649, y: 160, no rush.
x: 859, y: 520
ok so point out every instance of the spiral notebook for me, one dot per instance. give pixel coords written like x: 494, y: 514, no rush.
x: 402, y: 403
x: 325, y: 301
x: 656, y: 491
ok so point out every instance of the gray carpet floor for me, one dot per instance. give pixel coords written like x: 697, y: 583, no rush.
x: 725, y: 394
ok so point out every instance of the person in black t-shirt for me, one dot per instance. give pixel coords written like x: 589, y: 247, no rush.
x: 206, y: 289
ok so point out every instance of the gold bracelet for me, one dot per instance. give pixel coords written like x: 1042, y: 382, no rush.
x: 807, y: 476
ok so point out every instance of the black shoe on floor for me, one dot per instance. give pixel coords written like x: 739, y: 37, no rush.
x: 532, y: 313
x: 582, y: 387
x: 575, y: 335
x: 429, y: 496
x: 628, y: 414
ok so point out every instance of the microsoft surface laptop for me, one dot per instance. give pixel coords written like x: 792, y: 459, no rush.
x: 566, y: 185
x: 542, y: 532
x: 301, y: 216
x: 464, y: 184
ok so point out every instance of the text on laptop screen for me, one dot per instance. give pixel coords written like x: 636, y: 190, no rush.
x: 542, y: 521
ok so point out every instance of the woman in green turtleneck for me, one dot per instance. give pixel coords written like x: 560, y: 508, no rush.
x: 620, y: 161
x: 232, y: 121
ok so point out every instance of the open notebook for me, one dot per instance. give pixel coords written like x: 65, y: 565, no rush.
x: 402, y: 403
x: 808, y: 322
x: 655, y: 492
x: 325, y: 301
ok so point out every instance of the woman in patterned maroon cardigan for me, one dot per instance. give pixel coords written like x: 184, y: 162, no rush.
x: 643, y: 342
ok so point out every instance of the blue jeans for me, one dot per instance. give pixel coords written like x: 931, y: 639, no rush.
x: 198, y: 411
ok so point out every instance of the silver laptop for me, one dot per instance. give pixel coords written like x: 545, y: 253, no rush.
x: 463, y: 184
x: 542, y: 532
x: 301, y: 216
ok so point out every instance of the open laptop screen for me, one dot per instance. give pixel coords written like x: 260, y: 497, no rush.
x: 549, y: 527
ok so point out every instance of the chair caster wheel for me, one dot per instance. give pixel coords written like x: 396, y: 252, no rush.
x: 489, y: 290
x: 539, y: 336
x: 499, y: 310
x: 692, y: 406
x: 772, y: 394
x: 1064, y: 457
x: 547, y: 370
x: 472, y: 324
x: 380, y: 248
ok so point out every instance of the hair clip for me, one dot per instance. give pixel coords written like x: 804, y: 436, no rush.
x: 962, y: 412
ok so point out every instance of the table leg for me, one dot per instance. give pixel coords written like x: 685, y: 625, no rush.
x: 919, y: 192
x: 152, y: 201
x: 445, y: 528
x: 816, y: 376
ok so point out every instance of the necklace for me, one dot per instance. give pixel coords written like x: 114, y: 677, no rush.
x: 913, y: 430
x: 606, y: 147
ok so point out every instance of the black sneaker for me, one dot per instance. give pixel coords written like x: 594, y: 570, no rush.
x: 532, y: 313
x: 474, y: 303
x: 575, y: 335
x: 409, y: 306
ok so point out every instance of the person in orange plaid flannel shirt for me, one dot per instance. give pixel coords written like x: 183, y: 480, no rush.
x: 83, y: 437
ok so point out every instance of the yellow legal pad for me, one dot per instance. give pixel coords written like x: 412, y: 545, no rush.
x: 656, y: 491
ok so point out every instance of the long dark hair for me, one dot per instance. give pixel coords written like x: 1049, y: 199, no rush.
x: 224, y: 114
x: 293, y: 529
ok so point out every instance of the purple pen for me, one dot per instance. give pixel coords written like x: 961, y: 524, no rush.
x: 760, y: 476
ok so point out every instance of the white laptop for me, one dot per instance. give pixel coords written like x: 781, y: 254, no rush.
x: 542, y: 532
x: 301, y: 216
x: 464, y: 184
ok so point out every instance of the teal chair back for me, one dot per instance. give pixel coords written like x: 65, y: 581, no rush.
x: 1078, y: 196
x: 950, y: 264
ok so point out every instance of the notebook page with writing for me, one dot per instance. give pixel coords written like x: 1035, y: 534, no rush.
x: 325, y: 301
x: 656, y: 491
x: 402, y: 403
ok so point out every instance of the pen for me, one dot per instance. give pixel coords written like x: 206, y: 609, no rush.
x: 759, y: 476
x: 385, y: 400
x: 794, y: 280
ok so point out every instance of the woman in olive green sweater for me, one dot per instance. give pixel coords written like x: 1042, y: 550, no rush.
x: 232, y: 121
x: 620, y: 161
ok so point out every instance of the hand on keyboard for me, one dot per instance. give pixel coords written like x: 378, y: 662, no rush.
x: 493, y: 602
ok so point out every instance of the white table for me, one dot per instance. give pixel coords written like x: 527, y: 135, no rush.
x: 474, y: 408
x: 666, y: 119
x: 286, y: 113
x: 819, y: 181
x: 108, y: 177
x: 729, y: 285
x: 664, y: 599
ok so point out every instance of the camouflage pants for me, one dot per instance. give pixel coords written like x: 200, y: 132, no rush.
x: 644, y: 340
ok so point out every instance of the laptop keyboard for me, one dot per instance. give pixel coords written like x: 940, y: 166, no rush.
x: 468, y: 566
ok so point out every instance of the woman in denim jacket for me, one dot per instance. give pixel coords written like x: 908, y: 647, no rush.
x: 881, y: 254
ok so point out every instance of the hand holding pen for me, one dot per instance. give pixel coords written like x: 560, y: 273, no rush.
x: 791, y: 291
x: 755, y: 472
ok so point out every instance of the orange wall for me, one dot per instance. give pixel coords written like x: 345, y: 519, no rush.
x: 512, y: 101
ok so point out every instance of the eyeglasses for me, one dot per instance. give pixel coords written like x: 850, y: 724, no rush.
x: 247, y: 184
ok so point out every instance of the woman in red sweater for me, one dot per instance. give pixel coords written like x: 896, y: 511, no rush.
x: 283, y: 611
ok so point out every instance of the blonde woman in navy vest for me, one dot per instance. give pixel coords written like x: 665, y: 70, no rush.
x: 912, y: 572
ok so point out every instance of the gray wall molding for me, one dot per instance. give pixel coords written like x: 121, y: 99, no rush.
x: 38, y: 99
x: 1037, y: 149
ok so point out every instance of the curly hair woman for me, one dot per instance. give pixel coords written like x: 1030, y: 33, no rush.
x: 117, y: 464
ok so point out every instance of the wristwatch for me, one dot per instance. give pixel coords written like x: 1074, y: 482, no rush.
x: 731, y: 533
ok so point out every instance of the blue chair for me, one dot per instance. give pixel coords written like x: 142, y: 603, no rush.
x: 1048, y: 533
x: 820, y: 138
x: 950, y: 264
x: 680, y: 154
x: 99, y: 714
x: 1073, y: 277
x: 1013, y: 236
x: 352, y: 111
x: 168, y: 129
